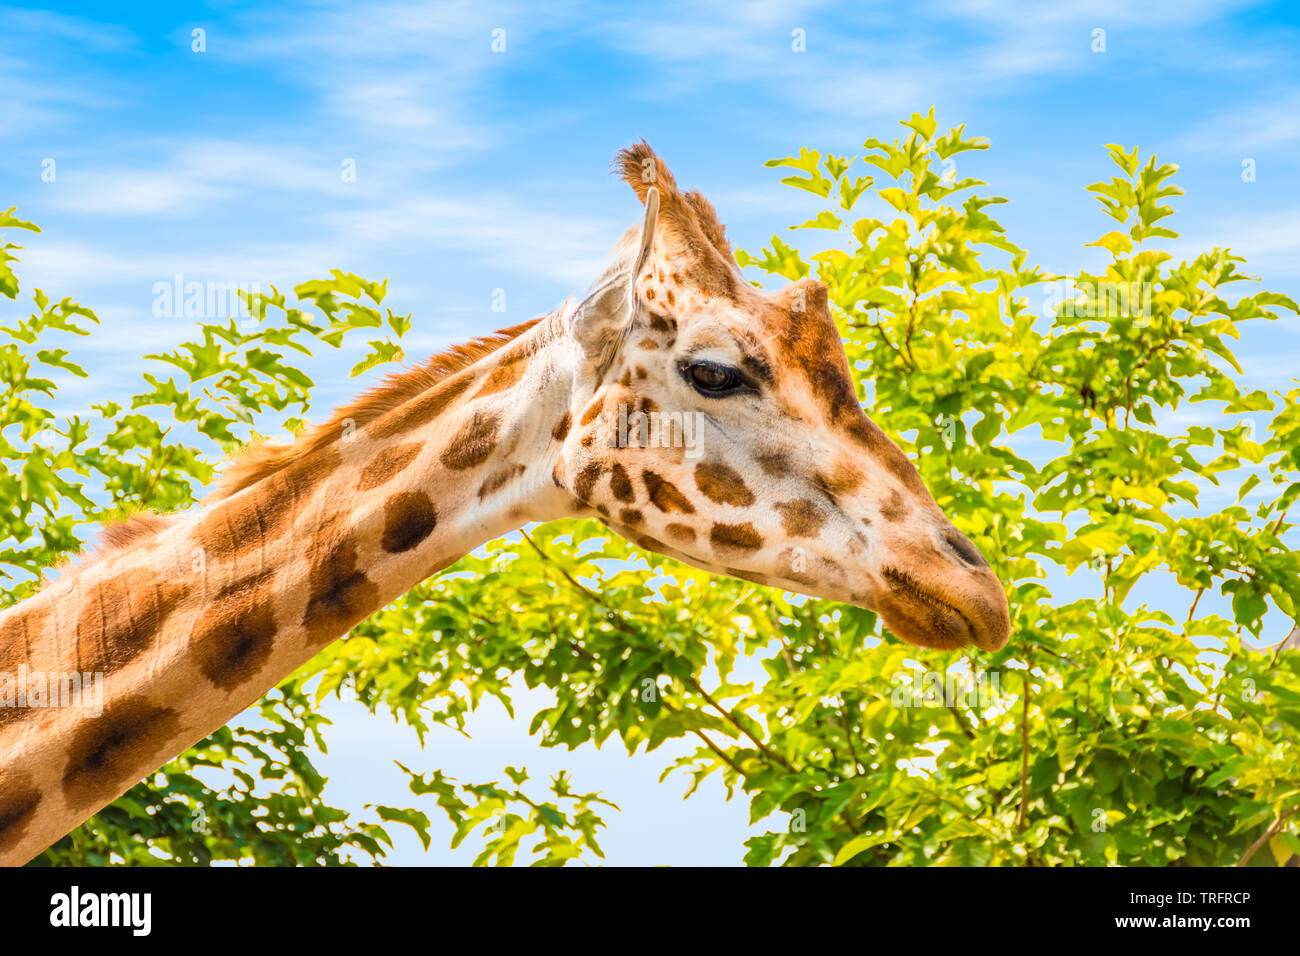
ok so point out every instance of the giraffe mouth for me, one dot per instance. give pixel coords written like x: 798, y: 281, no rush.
x: 921, y: 617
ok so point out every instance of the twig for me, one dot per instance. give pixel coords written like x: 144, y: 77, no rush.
x: 1024, y: 758
x: 848, y: 737
x: 961, y: 722
x: 1268, y: 834
x: 617, y: 620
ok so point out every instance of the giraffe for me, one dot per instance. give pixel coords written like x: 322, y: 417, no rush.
x: 192, y: 617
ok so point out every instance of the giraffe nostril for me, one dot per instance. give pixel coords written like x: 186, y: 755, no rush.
x: 961, y: 546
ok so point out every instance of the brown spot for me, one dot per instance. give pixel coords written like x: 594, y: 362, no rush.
x: 647, y: 543
x: 387, y: 465
x: 126, y: 742
x: 672, y: 299
x: 592, y: 411
x: 748, y: 576
x: 650, y: 294
x: 121, y: 618
x: 341, y: 595
x: 326, y: 534
x: 626, y: 378
x: 833, y: 386
x: 235, y: 638
x: 561, y: 429
x: 658, y: 323
x: 495, y: 482
x: 586, y: 481
x: 641, y: 372
x: 245, y: 585
x: 893, y: 508
x: 801, y: 518
x: 18, y: 802
x: 775, y: 464
x: 735, y: 537
x: 681, y: 532
x: 648, y: 344
x: 629, y: 517
x: 15, y: 650
x: 844, y: 478
x: 648, y: 405
x: 722, y: 484
x: 501, y: 378
x: 424, y: 409
x: 621, y: 484
x: 664, y: 494
x: 472, y: 445
x: 409, y: 518
x: 792, y: 559
x: 232, y: 528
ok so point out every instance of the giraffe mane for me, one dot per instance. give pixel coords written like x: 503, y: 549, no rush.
x: 258, y: 461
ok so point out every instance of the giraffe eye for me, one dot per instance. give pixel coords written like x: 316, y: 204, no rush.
x: 710, y: 378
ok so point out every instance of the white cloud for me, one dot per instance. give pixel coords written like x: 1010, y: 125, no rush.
x: 408, y: 69
x: 47, y: 24
x: 534, y: 239
x: 1268, y: 124
x: 1103, y: 13
x: 65, y: 267
x: 1270, y: 243
x: 195, y: 175
x: 35, y: 100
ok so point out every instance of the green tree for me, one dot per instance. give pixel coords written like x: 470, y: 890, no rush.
x: 1107, y: 731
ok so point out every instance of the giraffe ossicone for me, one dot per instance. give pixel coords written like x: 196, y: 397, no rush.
x: 693, y: 413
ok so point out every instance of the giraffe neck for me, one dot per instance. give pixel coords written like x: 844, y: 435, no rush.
x: 182, y: 630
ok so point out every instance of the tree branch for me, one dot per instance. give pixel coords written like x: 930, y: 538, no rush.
x: 1268, y: 834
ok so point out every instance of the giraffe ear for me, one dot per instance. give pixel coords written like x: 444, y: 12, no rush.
x: 689, y: 231
x: 608, y: 310
x: 647, y: 231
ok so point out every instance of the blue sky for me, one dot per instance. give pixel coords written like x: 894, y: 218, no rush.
x: 478, y: 170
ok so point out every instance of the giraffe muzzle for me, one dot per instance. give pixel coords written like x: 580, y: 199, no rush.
x: 959, y: 603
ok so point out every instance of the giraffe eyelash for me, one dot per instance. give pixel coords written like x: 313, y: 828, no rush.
x: 735, y: 381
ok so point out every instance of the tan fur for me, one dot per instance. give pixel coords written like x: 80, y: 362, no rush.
x: 122, y: 534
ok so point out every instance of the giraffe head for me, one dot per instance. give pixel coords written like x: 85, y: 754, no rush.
x: 719, y: 424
